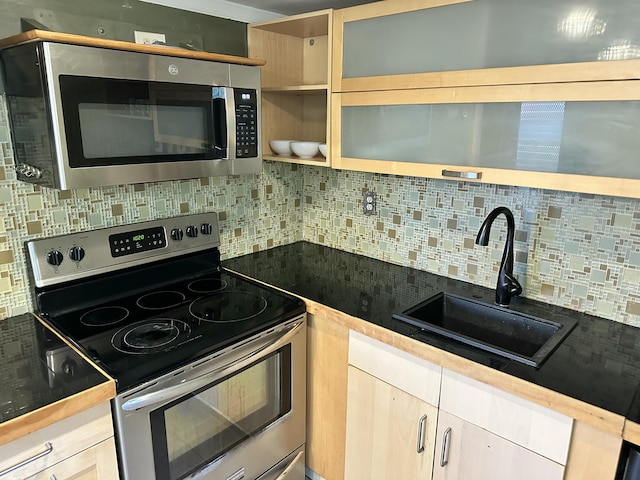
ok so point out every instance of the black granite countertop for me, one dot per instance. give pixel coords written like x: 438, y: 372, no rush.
x: 28, y: 352
x: 598, y: 363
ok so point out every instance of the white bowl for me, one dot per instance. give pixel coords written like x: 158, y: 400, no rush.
x: 281, y: 147
x: 323, y: 149
x: 305, y: 149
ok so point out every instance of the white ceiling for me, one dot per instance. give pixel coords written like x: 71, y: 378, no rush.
x: 256, y: 10
x: 293, y: 7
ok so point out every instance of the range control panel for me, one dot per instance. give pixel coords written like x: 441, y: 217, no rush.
x: 130, y: 243
x: 74, y: 256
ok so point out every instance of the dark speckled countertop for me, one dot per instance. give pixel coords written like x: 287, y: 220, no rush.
x: 598, y: 363
x: 27, y: 350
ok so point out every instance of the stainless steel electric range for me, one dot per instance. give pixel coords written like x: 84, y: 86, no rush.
x: 209, y: 365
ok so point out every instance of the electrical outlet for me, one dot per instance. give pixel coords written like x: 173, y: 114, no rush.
x: 147, y: 38
x: 369, y: 203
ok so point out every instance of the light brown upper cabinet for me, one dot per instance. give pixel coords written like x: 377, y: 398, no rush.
x: 295, y: 80
x: 536, y: 94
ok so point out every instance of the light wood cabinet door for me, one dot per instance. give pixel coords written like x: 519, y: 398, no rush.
x: 327, y: 353
x: 467, y: 452
x: 390, y: 434
x: 96, y: 463
x: 441, y: 43
x: 61, y: 441
x: 563, y: 136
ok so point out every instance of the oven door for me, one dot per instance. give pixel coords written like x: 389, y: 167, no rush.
x: 233, y: 415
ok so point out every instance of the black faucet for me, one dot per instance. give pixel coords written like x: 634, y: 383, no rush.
x: 507, y: 286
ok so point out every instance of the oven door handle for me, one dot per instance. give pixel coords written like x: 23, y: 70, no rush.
x: 267, y: 345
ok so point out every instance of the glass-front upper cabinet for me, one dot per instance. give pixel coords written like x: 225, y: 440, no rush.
x: 434, y: 43
x: 565, y: 136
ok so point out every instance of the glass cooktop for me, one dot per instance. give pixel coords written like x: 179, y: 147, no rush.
x: 144, y: 334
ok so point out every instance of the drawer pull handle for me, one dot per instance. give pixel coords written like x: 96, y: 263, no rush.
x: 444, y: 457
x: 48, y: 448
x: 467, y: 175
x: 422, y: 429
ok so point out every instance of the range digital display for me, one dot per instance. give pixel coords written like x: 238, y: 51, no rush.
x: 137, y: 241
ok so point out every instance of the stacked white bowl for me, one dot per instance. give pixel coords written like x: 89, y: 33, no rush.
x: 305, y: 149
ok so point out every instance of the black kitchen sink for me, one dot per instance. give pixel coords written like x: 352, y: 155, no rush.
x: 515, y: 335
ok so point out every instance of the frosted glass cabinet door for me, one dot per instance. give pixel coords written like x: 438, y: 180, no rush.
x: 398, y: 38
x: 423, y: 132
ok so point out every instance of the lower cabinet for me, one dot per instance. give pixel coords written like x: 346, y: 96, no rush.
x: 80, y: 447
x: 390, y: 434
x: 392, y: 410
x: 95, y: 463
x: 466, y: 451
x: 409, y: 418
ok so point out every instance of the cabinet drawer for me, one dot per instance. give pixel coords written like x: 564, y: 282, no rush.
x: 407, y: 372
x: 524, y: 423
x: 65, y: 438
x: 96, y: 463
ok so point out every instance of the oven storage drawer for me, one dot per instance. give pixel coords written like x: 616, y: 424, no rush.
x: 44, y: 448
x: 290, y: 468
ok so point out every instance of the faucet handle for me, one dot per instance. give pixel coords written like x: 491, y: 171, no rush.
x: 514, y: 288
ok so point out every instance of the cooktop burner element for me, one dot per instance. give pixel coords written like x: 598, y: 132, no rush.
x: 104, y: 316
x: 145, y: 300
x: 207, y: 285
x: 228, y: 307
x: 160, y: 300
x: 149, y: 336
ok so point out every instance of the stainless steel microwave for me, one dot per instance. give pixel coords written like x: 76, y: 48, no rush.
x: 84, y: 116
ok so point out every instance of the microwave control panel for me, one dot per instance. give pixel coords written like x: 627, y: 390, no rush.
x: 246, y: 101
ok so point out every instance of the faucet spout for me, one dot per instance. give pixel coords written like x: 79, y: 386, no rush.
x: 507, y: 285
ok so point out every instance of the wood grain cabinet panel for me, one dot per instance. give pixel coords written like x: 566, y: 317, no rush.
x: 95, y: 463
x: 521, y: 422
x: 76, y: 435
x: 407, y: 372
x: 466, y: 451
x: 390, y: 433
x: 327, y: 352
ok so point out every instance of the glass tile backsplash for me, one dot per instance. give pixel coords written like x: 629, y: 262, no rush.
x: 578, y: 251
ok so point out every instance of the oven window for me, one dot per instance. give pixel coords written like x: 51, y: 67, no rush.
x: 118, y: 122
x: 193, y: 431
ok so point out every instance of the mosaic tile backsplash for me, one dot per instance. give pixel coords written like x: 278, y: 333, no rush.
x: 255, y: 211
x: 578, y: 251
x: 574, y: 250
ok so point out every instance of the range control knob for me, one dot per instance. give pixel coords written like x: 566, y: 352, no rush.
x: 192, y: 231
x: 54, y: 257
x: 206, y: 228
x: 176, y: 234
x: 76, y: 253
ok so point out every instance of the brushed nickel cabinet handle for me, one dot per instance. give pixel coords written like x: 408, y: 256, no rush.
x: 48, y: 448
x: 467, y: 175
x: 444, y: 457
x: 422, y: 430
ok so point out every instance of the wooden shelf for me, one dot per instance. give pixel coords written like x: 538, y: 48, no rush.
x: 317, y: 160
x: 58, y: 37
x: 298, y: 89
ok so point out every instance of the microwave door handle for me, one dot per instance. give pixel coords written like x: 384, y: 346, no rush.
x: 268, y: 344
x: 230, y: 109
